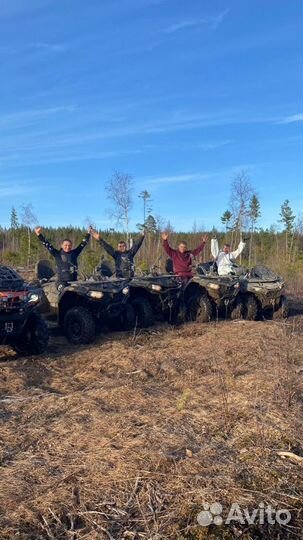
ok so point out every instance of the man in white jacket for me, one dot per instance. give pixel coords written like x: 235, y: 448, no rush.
x: 224, y: 259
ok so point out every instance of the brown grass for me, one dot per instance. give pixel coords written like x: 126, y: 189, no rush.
x: 126, y: 439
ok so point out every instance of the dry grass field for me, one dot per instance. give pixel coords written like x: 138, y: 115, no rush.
x: 129, y: 437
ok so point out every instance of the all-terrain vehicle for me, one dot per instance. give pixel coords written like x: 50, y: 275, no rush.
x: 21, y: 326
x: 262, y: 290
x: 209, y: 295
x: 82, y: 306
x: 242, y: 295
x: 155, y: 297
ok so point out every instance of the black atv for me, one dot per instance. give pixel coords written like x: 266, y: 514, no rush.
x: 156, y: 297
x: 21, y: 326
x: 82, y: 306
x: 209, y: 295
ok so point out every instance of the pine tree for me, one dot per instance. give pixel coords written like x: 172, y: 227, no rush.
x: 254, y: 213
x: 14, y: 228
x: 14, y: 219
x: 226, y: 219
x: 151, y: 224
x: 287, y: 218
x: 146, y: 197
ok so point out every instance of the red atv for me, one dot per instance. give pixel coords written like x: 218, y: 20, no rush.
x: 21, y: 326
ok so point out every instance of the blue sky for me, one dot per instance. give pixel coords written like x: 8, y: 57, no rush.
x: 179, y: 94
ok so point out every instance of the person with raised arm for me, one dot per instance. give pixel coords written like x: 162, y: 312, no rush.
x: 182, y: 257
x: 66, y: 257
x: 225, y: 257
x: 123, y: 257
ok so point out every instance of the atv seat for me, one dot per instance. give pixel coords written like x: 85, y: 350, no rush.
x: 104, y: 269
x: 44, y: 270
x: 263, y: 273
x: 207, y: 268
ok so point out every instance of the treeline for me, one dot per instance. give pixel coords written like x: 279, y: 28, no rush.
x: 21, y: 247
x: 280, y: 248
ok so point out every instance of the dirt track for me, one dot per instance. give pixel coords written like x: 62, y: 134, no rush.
x: 129, y: 437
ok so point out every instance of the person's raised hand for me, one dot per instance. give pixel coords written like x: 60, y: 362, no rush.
x: 38, y: 230
x: 95, y: 234
x: 204, y: 238
x: 164, y: 236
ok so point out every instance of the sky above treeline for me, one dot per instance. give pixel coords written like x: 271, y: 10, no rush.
x: 182, y: 95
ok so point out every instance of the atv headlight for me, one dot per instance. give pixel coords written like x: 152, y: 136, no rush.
x: 156, y: 287
x: 214, y: 286
x: 125, y: 290
x: 96, y: 294
x: 258, y: 289
x: 33, y: 298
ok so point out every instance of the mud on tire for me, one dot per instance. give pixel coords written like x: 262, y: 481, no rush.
x: 199, y: 308
x: 251, y: 309
x: 282, y: 311
x: 79, y: 325
x: 143, y: 311
x: 237, y: 311
x: 34, y: 337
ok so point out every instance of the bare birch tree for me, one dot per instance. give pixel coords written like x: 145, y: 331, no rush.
x: 241, y: 193
x: 28, y: 219
x: 119, y: 191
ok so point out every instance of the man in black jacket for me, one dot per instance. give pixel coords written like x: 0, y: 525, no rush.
x: 123, y: 257
x: 66, y: 258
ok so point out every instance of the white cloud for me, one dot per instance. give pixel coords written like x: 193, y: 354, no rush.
x: 213, y: 145
x: 291, y: 119
x: 49, y: 47
x: 199, y: 176
x: 52, y: 156
x: 27, y: 117
x: 212, y: 21
x: 178, y: 178
x: 13, y: 190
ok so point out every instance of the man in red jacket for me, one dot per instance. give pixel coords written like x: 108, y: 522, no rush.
x: 182, y: 257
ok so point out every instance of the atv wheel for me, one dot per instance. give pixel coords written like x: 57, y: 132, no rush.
x: 177, y: 313
x: 79, y: 325
x: 199, y: 308
x: 282, y: 311
x: 143, y: 312
x: 205, y: 309
x: 251, y: 309
x: 34, y: 337
x: 125, y: 321
x: 237, y: 311
x: 192, y: 308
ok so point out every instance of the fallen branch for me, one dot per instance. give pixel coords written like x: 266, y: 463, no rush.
x: 291, y: 456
